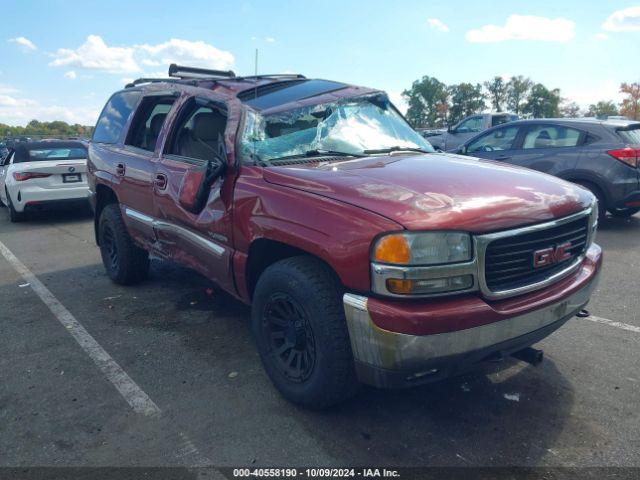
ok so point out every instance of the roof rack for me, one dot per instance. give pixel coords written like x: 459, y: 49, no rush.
x: 158, y: 80
x: 182, y: 72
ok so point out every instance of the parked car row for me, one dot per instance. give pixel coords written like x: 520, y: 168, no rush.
x: 601, y: 155
x: 367, y: 257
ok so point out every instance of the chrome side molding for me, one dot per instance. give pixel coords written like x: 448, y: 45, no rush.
x: 177, y: 230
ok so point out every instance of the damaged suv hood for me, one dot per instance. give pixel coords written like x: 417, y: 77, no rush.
x: 438, y: 191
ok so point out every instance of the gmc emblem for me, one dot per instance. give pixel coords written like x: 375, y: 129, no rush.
x: 551, y: 255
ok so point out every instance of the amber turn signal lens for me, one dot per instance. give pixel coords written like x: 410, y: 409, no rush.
x: 400, y: 287
x: 392, y: 249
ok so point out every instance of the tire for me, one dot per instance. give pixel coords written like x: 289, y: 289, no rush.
x: 602, y: 202
x: 125, y: 263
x: 301, y: 333
x: 14, y: 216
x: 624, y: 212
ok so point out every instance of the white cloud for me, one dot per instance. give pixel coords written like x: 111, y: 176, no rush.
x: 9, y: 101
x: 196, y: 54
x: 269, y: 39
x: 24, y: 42
x: 95, y: 54
x: 625, y: 20
x: 71, y: 75
x: 6, y: 89
x: 20, y: 111
x: 437, y: 24
x: 601, y: 36
x: 525, y: 27
x: 150, y: 63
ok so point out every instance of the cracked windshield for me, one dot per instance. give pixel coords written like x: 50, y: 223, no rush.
x: 353, y: 127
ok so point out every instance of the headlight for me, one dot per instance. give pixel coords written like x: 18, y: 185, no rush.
x: 426, y: 248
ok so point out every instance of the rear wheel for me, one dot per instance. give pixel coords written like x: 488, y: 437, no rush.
x: 602, y: 202
x: 125, y: 263
x: 14, y: 216
x: 301, y: 333
x: 624, y: 212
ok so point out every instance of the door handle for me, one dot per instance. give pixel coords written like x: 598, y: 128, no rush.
x: 503, y: 157
x: 120, y: 169
x: 160, y: 181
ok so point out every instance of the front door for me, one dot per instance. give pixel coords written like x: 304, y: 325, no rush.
x: 497, y: 144
x: 193, y: 210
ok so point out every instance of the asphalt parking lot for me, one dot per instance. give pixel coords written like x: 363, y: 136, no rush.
x: 187, y: 347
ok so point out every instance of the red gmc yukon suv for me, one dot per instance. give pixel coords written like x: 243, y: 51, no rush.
x: 366, y: 256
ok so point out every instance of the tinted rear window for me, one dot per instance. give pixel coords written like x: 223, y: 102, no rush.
x: 57, y: 154
x: 114, y: 117
x: 631, y: 136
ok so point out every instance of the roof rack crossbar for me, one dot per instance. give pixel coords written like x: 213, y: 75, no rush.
x: 271, y: 75
x: 180, y: 71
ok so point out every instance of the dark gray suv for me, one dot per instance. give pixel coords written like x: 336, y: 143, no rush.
x: 601, y: 155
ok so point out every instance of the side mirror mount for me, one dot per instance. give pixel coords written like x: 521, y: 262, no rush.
x: 196, y: 184
x: 462, y: 150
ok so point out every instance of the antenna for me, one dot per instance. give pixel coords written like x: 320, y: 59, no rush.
x: 256, y: 74
x: 255, y: 97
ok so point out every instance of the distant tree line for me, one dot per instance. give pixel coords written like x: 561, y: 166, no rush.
x: 433, y: 103
x: 46, y: 129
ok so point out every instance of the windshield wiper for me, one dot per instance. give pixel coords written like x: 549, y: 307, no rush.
x: 317, y: 153
x: 396, y: 148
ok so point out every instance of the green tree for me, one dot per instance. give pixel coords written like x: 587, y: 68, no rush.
x: 39, y: 129
x: 497, y: 92
x: 466, y: 99
x: 542, y: 102
x: 570, y: 110
x: 517, y: 90
x: 602, y: 109
x: 426, y: 99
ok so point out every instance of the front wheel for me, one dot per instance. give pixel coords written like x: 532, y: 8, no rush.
x: 125, y: 262
x: 301, y: 333
x: 624, y: 212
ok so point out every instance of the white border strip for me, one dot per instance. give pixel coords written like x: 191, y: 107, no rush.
x: 132, y: 393
x: 606, y: 321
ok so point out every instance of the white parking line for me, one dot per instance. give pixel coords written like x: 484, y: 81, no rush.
x: 132, y: 393
x: 612, y: 323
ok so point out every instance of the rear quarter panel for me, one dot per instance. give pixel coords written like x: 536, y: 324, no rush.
x: 614, y: 178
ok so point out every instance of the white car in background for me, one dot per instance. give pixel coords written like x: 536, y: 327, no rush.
x: 40, y: 174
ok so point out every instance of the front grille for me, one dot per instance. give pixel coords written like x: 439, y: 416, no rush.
x: 509, y: 260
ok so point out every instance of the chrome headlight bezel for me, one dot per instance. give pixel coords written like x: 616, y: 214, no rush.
x: 460, y: 248
x: 455, y: 265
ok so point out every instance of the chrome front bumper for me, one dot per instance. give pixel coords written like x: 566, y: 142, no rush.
x: 390, y: 359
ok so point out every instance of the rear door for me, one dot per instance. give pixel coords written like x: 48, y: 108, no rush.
x: 192, y: 210
x: 549, y: 148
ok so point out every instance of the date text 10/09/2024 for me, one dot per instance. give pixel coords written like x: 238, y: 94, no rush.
x: 316, y: 472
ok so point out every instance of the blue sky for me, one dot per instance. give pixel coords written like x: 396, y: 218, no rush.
x: 62, y: 59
